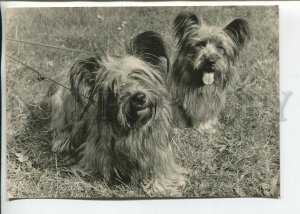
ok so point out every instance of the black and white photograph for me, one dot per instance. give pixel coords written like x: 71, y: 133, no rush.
x: 142, y: 102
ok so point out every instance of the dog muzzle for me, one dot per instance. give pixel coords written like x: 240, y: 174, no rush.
x: 140, y: 110
x: 206, y: 67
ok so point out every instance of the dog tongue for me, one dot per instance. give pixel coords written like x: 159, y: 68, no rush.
x: 208, y: 78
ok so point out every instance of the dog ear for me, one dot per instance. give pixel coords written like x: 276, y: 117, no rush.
x: 239, y: 31
x: 150, y: 47
x: 182, y: 23
x: 82, y: 78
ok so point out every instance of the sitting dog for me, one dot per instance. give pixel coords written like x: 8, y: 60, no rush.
x: 202, y: 68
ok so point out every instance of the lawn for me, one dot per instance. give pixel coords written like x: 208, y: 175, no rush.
x: 240, y: 160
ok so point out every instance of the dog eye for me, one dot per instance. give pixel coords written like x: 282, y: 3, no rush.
x: 201, y: 44
x: 221, y: 48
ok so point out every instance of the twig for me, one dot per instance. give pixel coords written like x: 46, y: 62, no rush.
x: 16, y: 35
x: 37, y: 72
x: 51, y: 46
x: 41, y: 76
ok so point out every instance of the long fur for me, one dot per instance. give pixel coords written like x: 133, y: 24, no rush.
x: 203, y: 49
x: 109, y: 128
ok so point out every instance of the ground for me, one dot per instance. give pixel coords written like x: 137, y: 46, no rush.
x: 240, y: 160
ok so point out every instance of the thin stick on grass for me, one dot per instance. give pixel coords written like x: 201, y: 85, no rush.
x: 51, y: 46
x: 37, y: 72
x: 42, y: 77
x: 16, y: 35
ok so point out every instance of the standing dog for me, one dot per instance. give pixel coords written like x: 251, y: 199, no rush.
x: 116, y: 117
x: 202, y: 70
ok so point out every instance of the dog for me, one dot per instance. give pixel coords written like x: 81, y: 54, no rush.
x: 202, y: 70
x: 116, y: 118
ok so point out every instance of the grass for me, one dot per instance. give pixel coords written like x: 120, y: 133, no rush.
x: 240, y: 160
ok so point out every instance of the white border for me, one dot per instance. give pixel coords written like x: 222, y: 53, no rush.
x: 140, y: 4
x: 290, y: 147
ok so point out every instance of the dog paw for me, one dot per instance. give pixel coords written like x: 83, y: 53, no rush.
x: 171, y: 186
x: 176, y: 131
x: 207, y: 131
x: 162, y: 188
x: 206, y: 128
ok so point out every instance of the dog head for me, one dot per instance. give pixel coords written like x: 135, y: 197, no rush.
x: 205, y: 53
x: 128, y: 91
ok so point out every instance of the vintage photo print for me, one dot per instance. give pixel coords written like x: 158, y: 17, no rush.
x: 142, y: 102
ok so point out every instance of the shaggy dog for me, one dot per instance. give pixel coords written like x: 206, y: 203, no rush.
x: 116, y: 117
x: 202, y: 70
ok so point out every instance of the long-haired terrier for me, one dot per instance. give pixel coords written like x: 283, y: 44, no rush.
x: 202, y: 69
x: 116, y: 119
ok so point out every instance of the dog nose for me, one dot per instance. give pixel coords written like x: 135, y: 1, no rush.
x: 210, y: 62
x: 138, y: 98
